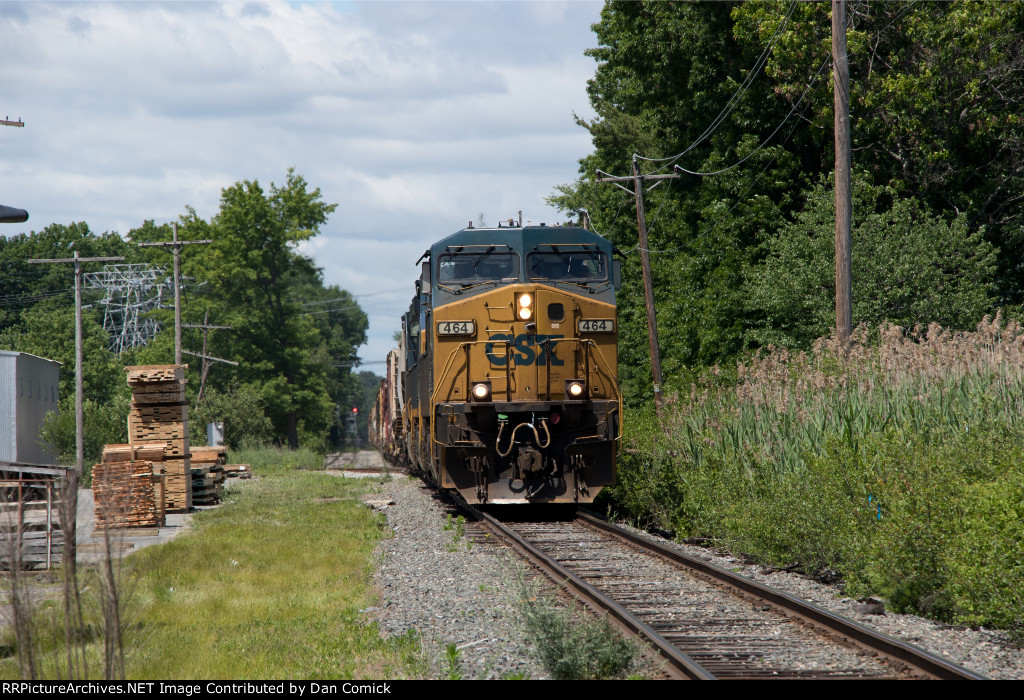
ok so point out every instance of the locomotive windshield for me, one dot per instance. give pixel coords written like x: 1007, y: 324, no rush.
x: 478, y: 267
x: 570, y: 266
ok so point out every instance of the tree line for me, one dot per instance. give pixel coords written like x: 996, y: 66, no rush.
x: 293, y: 336
x: 742, y: 242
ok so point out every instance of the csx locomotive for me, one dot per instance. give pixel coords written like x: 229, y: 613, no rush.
x: 505, y: 383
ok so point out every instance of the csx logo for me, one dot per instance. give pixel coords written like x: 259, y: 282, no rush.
x: 526, y: 349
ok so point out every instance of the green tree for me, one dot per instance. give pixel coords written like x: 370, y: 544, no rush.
x: 934, y: 105
x: 288, y: 331
x: 910, y: 267
x: 664, y: 69
x: 935, y: 123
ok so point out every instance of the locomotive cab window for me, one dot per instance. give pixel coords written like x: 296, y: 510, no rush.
x: 478, y: 267
x: 569, y: 266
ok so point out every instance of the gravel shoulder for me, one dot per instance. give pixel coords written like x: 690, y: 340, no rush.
x: 449, y: 591
x: 453, y: 594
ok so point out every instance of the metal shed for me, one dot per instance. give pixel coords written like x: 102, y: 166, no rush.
x: 29, y: 388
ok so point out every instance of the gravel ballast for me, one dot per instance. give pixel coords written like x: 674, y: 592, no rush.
x: 445, y: 588
x: 451, y: 593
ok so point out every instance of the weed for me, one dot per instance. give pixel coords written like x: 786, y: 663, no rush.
x: 457, y: 526
x: 453, y: 657
x: 572, y: 646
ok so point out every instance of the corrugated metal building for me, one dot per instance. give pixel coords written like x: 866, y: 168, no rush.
x: 28, y: 390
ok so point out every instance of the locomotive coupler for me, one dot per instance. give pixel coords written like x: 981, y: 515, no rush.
x: 529, y: 459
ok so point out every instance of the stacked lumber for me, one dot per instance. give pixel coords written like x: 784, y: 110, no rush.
x: 209, y: 455
x: 208, y: 474
x: 126, y: 494
x: 152, y: 452
x: 207, y: 485
x: 159, y: 415
x: 238, y: 471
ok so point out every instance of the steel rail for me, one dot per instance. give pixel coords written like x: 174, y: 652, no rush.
x: 679, y: 666
x: 833, y: 623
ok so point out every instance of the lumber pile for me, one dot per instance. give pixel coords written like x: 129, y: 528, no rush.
x: 159, y: 415
x: 127, y: 494
x: 152, y: 452
x: 208, y: 474
x: 238, y: 471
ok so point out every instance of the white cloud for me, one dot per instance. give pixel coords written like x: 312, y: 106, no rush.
x: 414, y: 117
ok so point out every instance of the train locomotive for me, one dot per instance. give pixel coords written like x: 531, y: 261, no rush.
x: 504, y: 386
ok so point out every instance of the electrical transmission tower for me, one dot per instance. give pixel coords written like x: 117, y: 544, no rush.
x: 130, y: 291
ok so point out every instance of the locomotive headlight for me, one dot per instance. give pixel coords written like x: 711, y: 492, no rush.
x: 481, y: 391
x: 525, y: 307
x: 574, y: 389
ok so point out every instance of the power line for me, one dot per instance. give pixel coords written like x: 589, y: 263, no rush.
x: 176, y: 245
x: 734, y: 100
x: 763, y: 144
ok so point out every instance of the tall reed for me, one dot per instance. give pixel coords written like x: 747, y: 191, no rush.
x: 921, y: 381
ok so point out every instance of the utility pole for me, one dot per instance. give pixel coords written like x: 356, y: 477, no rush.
x: 207, y: 360
x: 844, y: 200
x: 69, y: 540
x: 645, y: 262
x: 176, y: 244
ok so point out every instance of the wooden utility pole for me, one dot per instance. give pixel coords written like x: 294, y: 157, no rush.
x: 844, y: 200
x: 645, y: 262
x: 176, y: 244
x: 207, y: 360
x: 69, y: 537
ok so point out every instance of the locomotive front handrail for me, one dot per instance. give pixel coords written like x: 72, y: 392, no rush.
x: 451, y: 360
x: 448, y: 365
x: 587, y: 344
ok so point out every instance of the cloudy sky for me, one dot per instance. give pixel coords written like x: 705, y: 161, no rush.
x: 415, y: 117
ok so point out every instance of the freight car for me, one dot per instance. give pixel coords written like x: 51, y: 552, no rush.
x: 506, y: 380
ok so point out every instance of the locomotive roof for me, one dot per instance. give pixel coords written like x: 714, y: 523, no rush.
x: 522, y: 238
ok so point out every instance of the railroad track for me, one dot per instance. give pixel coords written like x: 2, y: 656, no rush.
x: 705, y: 622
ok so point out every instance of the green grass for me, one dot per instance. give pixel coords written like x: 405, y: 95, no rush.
x: 270, y: 585
x: 276, y: 460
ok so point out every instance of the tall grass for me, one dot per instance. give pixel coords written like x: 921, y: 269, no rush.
x: 895, y: 460
x: 924, y: 383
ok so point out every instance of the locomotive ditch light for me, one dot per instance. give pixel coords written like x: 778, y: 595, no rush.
x: 481, y: 391
x: 525, y: 307
x: 575, y: 390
